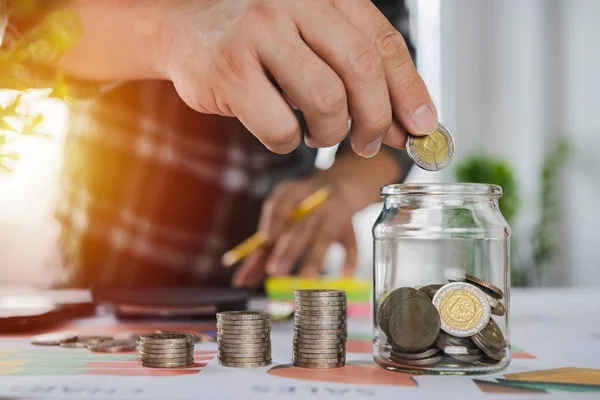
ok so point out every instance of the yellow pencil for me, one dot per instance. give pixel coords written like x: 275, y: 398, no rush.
x: 258, y: 239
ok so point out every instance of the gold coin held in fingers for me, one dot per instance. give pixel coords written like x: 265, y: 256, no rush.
x: 432, y: 152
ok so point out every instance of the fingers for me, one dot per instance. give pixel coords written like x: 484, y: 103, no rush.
x: 278, y: 207
x: 348, y: 240
x: 290, y: 246
x: 263, y: 111
x: 309, y: 84
x: 357, y: 62
x: 252, y: 270
x: 411, y: 102
x: 396, y: 136
x: 322, y: 239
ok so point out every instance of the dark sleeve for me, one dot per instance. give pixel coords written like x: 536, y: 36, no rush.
x: 397, y: 13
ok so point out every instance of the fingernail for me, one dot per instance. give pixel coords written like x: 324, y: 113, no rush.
x: 372, y: 148
x: 424, y: 119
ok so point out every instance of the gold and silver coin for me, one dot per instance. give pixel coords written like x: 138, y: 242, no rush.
x: 244, y: 339
x: 166, y: 350
x: 432, y: 152
x: 464, y: 309
x: 320, y: 329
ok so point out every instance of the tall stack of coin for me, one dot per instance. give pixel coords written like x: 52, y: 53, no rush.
x: 320, y: 328
x: 166, y: 350
x: 244, y: 339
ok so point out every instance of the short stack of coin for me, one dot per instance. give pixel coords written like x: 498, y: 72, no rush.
x: 320, y: 328
x: 244, y: 339
x: 166, y: 350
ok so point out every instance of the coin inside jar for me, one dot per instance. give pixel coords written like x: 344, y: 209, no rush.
x: 414, y: 324
x: 463, y: 308
x: 391, y: 301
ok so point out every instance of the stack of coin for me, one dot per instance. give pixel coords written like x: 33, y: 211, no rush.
x: 320, y: 328
x: 166, y: 350
x: 444, y: 323
x: 244, y: 339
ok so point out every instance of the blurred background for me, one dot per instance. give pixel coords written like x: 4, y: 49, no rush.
x: 514, y: 80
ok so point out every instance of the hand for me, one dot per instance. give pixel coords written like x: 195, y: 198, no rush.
x: 333, y: 59
x: 308, y: 238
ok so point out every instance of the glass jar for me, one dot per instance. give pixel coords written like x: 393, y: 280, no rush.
x: 441, y: 280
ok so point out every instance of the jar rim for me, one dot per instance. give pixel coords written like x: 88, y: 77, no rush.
x: 440, y: 189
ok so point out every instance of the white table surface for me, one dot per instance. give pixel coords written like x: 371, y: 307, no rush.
x: 558, y: 326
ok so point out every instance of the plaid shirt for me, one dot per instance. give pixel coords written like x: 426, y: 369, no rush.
x: 153, y: 193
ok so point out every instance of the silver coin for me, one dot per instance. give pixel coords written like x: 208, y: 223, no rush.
x: 321, y: 302
x: 430, y: 290
x: 318, y: 327
x: 433, y: 152
x: 245, y: 345
x: 246, y: 364
x: 165, y: 357
x: 54, y: 338
x: 445, y: 340
x: 183, y: 350
x: 145, y: 363
x: 262, y: 338
x: 330, y: 316
x: 253, y: 323
x: 420, y: 362
x: 250, y: 328
x: 322, y: 345
x: 320, y: 333
x: 318, y: 350
x: 391, y: 302
x: 483, y: 317
x: 229, y: 359
x: 460, y: 350
x: 414, y: 355
x: 168, y: 338
x: 319, y: 365
x: 243, y: 315
x: 113, y: 346
x: 321, y: 356
x: 316, y: 361
x: 166, y: 346
x: 334, y: 310
x: 227, y: 349
x: 319, y: 293
x: 493, y: 352
x: 318, y: 320
x: 466, y: 358
x: 245, y: 354
x: 496, y: 306
x: 243, y: 331
x: 242, y: 342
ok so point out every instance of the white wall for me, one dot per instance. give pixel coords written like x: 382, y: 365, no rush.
x: 516, y: 75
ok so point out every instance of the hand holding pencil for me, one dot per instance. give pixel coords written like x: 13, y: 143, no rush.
x: 242, y: 250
